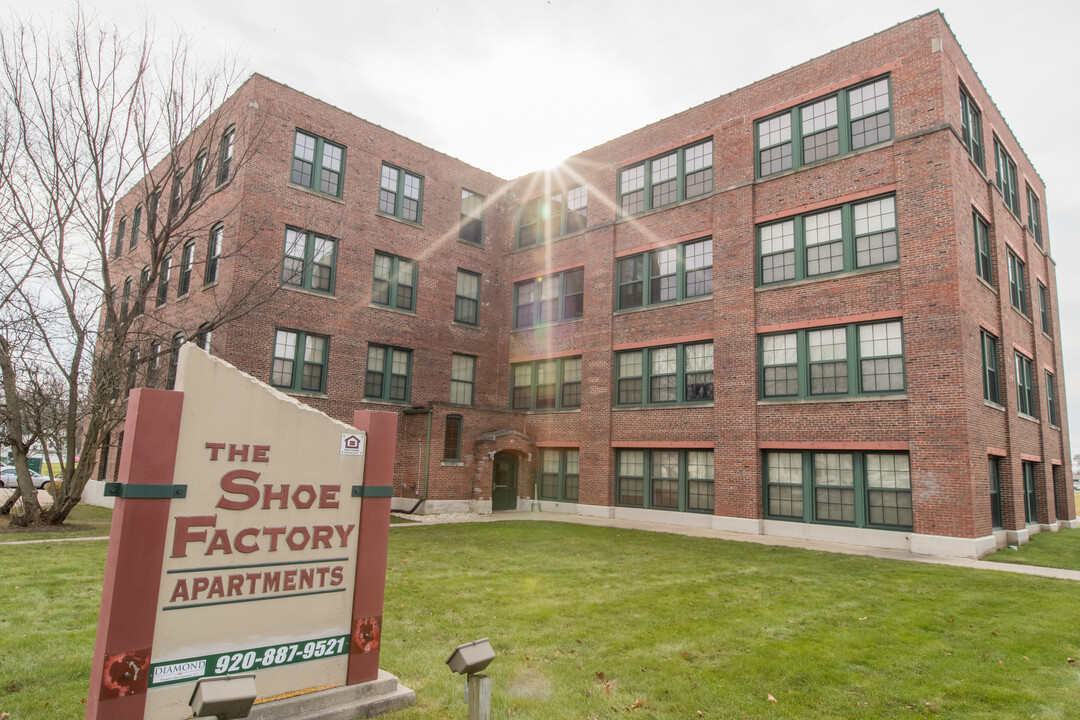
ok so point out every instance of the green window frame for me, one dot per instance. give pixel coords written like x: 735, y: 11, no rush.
x: 452, y: 438
x: 558, y: 297
x: 187, y: 261
x: 1031, y: 502
x: 1017, y: 283
x: 559, y: 474
x: 310, y: 261
x: 467, y: 298
x: 984, y: 266
x: 836, y: 361
x: 1025, y: 386
x: 394, y: 284
x: 121, y: 230
x: 300, y: 361
x: 1006, y: 178
x: 839, y: 487
x: 401, y: 193
x: 225, y: 155
x: 670, y: 274
x: 971, y: 129
x: 665, y: 375
x: 1051, y: 400
x: 994, y: 471
x: 667, y: 179
x: 831, y: 126
x: 462, y: 379
x: 177, y: 194
x: 990, y: 374
x: 198, y: 176
x: 543, y: 219
x: 144, y: 290
x: 388, y: 374
x: 669, y: 479
x: 317, y: 164
x: 1044, y: 307
x: 213, y: 254
x: 848, y: 237
x: 471, y: 229
x: 125, y: 299
x: 551, y: 384
x: 1034, y: 216
x: 163, y: 281
x: 136, y: 220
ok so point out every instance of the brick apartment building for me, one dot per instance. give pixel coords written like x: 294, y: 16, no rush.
x: 823, y: 305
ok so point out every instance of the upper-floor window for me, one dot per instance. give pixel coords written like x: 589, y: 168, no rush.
x: 126, y: 298
x: 177, y: 193
x: 971, y: 128
x: 549, y: 298
x: 467, y: 298
x: 983, y: 258
x: 174, y: 360
x: 395, y: 282
x: 1006, y: 178
x: 187, y: 259
x: 1017, y: 283
x: 213, y: 254
x: 462, y: 379
x: 1025, y: 386
x: 471, y: 229
x: 400, y: 193
x: 198, y: 175
x: 553, y: 384
x: 666, y: 179
x: 1034, y: 216
x: 309, y: 261
x: 544, y: 219
x: 991, y: 378
x: 388, y: 375
x: 300, y: 361
x: 163, y: 281
x: 1051, y: 400
x: 851, y: 236
x: 1044, y: 308
x: 153, y: 363
x: 671, y: 374
x: 672, y: 273
x: 317, y: 164
x: 853, y: 118
x: 136, y: 220
x: 203, y: 336
x: 226, y: 155
x: 120, y: 231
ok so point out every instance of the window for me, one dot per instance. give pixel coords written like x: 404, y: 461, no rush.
x: 125, y: 299
x: 983, y: 263
x: 673, y: 374
x: 995, y: 492
x: 842, y: 488
x: 213, y: 254
x: 559, y: 474
x: 845, y: 360
x: 317, y: 164
x: 225, y: 160
x: 1044, y: 308
x: 462, y: 379
x: 198, y: 175
x: 674, y: 273
x: 133, y: 369
x: 546, y: 218
x: 163, y: 281
x: 309, y: 261
x: 135, y: 222
x: 452, y: 439
x: 1006, y: 178
x: 991, y: 378
x: 151, y: 213
x: 202, y: 337
x: 678, y: 175
x: 1017, y: 284
x: 472, y: 217
x: 851, y: 119
x: 103, y: 456
x: 120, y: 231
x: 1031, y: 506
x: 394, y: 285
x: 851, y: 236
x: 174, y: 360
x: 400, y: 193
x: 144, y: 289
x: 187, y: 258
x: 1051, y: 400
x: 1025, y: 386
x: 1034, y: 216
x: 177, y: 193
x: 546, y: 384
x: 665, y: 479
x: 300, y: 360
x: 971, y: 129
x: 467, y: 298
x: 551, y: 298
x: 153, y: 362
x: 388, y: 373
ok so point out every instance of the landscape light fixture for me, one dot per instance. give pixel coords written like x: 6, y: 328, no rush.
x: 224, y: 698
x: 469, y: 659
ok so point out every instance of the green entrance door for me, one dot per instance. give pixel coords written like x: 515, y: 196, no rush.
x: 504, y: 483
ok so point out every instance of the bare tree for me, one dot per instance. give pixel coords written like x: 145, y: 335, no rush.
x: 92, y: 121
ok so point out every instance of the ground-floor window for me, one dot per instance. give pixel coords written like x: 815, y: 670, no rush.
x: 1031, y: 508
x: 995, y: 493
x: 665, y: 479
x: 559, y: 474
x: 839, y: 488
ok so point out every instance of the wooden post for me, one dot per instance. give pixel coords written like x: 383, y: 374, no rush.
x: 479, y: 697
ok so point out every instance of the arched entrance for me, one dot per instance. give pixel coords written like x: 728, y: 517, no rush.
x: 504, y: 482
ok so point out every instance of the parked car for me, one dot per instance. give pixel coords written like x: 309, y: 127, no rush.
x: 9, y: 480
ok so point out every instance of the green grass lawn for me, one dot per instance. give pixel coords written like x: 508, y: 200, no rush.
x: 84, y: 521
x: 1048, y: 549
x: 591, y: 621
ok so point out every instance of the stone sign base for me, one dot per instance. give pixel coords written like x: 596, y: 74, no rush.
x: 347, y: 702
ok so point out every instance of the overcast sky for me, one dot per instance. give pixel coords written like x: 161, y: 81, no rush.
x: 512, y: 86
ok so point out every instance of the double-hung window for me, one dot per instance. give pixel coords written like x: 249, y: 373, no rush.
x: 226, y: 155
x: 666, y: 179
x: 665, y: 479
x: 839, y: 488
x: 994, y: 470
x: 553, y: 384
x: 674, y: 273
x: 983, y: 257
x: 317, y: 164
x: 855, y: 235
x: 120, y: 231
x: 462, y: 379
x: 388, y: 375
x: 309, y: 262
x: 187, y: 260
x: 471, y: 229
x: 401, y: 193
x: 550, y: 298
x: 991, y: 377
x: 174, y: 360
x: 559, y: 470
x: 213, y: 254
x: 665, y: 375
x: 163, y: 281
x: 136, y: 221
x: 846, y: 360
x: 394, y: 285
x: 971, y: 128
x: 1006, y: 178
x: 467, y: 298
x: 1044, y: 307
x: 300, y: 361
x: 1025, y: 386
x: 177, y: 194
x: 1031, y: 504
x: 198, y: 176
x: 125, y: 299
x: 851, y: 119
x: 1017, y: 283
x: 1034, y: 216
x: 144, y: 290
x: 544, y: 219
x: 153, y: 362
x: 1051, y: 400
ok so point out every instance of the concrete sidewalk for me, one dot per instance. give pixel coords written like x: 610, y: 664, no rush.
x: 1060, y: 574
